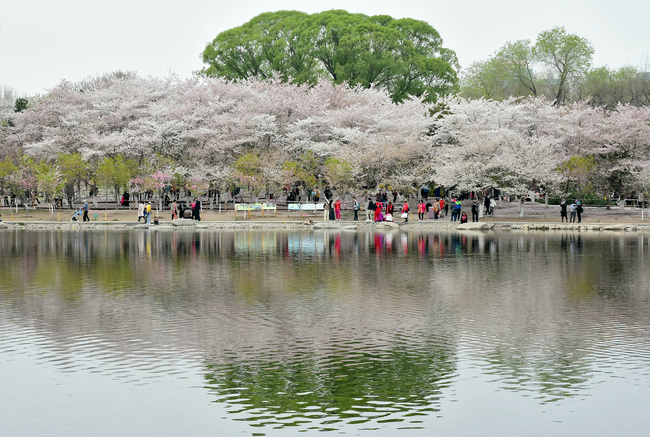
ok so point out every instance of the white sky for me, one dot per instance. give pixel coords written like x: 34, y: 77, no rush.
x: 44, y: 41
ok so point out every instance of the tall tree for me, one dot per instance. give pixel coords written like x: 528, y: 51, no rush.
x: 404, y: 57
x: 566, y: 55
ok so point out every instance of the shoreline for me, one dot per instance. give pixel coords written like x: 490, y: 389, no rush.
x: 187, y: 225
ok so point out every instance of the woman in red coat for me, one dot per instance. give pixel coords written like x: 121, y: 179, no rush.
x: 405, y: 210
x: 337, y: 209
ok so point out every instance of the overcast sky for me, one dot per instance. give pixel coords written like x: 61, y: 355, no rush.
x: 45, y: 41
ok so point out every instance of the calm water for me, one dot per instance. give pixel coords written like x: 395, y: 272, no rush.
x: 276, y: 333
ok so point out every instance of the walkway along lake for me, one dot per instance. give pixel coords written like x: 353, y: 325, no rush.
x: 421, y: 332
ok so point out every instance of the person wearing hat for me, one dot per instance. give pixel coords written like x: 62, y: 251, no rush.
x: 579, y: 210
x: 474, y: 211
x: 563, y: 206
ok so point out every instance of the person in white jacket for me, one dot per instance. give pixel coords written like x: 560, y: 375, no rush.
x: 140, y: 211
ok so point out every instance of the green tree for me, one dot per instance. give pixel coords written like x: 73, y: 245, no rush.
x: 566, y: 55
x: 21, y: 104
x: 517, y: 59
x: 483, y: 79
x: 339, y: 173
x: 248, y: 171
x: 73, y: 170
x: 404, y: 56
x: 115, y: 173
x: 49, y: 180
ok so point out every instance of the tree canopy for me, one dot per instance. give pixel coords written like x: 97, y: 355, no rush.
x: 403, y: 56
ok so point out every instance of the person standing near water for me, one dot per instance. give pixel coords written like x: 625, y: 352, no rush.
x: 337, y: 209
x: 197, y: 210
x: 579, y: 210
x: 405, y: 211
x: 572, y: 213
x: 86, y: 209
x: 356, y: 206
x: 330, y: 204
x: 140, y: 211
x: 563, y: 206
x: 370, y: 210
x: 421, y: 209
x: 474, y: 212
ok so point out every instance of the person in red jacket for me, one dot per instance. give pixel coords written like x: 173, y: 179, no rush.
x: 337, y: 209
x: 405, y: 210
x: 421, y: 209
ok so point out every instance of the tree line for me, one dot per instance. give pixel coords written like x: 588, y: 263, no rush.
x: 125, y: 132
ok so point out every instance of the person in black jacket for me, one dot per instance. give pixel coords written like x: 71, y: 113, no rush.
x: 370, y: 211
x: 474, y: 211
x: 563, y: 211
x: 579, y: 210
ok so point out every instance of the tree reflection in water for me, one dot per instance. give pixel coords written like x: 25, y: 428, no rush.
x: 326, y: 329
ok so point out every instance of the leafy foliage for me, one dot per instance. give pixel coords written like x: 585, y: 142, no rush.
x: 404, y: 57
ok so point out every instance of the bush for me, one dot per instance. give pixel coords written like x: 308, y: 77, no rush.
x: 591, y: 200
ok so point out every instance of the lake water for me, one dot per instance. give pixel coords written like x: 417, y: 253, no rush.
x: 137, y: 333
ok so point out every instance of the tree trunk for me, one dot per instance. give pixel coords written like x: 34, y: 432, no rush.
x: 546, y: 199
x: 521, y: 206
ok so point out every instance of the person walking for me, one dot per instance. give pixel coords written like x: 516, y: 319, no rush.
x: 337, y: 209
x: 86, y: 209
x: 493, y: 204
x: 579, y: 210
x: 563, y: 206
x: 405, y: 211
x: 572, y: 213
x: 474, y: 211
x: 421, y: 209
x: 174, y: 209
x: 140, y: 211
x: 356, y: 206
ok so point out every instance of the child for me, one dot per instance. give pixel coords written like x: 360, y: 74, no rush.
x: 463, y: 218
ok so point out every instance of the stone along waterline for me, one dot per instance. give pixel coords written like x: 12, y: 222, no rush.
x: 278, y: 332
